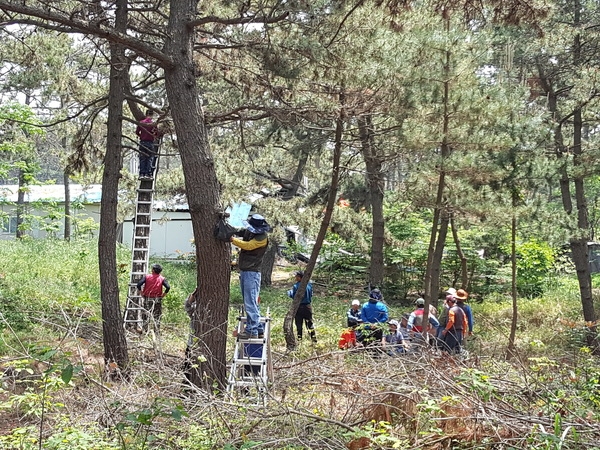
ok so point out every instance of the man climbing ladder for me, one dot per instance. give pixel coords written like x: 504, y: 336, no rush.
x: 149, y: 134
x: 137, y: 309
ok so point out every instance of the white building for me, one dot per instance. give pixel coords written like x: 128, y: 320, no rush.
x: 44, y: 210
x: 171, y: 232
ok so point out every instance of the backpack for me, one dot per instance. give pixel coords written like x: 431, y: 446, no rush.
x: 223, y: 230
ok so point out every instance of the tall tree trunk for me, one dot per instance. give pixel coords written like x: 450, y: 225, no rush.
x: 436, y: 263
x: 579, y: 245
x: 288, y: 331
x: 445, y: 152
x: 115, y: 344
x: 511, y: 350
x: 464, y: 270
x: 266, y: 271
x: 67, y: 232
x: 375, y: 184
x: 203, y: 195
x: 20, y: 232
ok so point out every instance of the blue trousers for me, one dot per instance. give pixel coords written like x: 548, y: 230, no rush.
x: 453, y: 341
x: 250, y: 286
x: 147, y: 155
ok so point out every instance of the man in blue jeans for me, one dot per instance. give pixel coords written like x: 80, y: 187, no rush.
x: 148, y: 132
x: 253, y: 246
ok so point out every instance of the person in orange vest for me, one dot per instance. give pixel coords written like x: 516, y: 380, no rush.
x: 348, y: 339
x: 456, y: 328
x: 151, y: 289
x: 461, y: 297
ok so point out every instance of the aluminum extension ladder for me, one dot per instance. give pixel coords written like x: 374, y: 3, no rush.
x: 252, y: 365
x: 135, y: 317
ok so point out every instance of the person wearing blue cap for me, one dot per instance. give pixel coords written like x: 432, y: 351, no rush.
x: 374, y: 314
x: 253, y: 246
x: 304, y: 313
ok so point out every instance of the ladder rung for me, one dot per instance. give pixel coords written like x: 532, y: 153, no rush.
x: 250, y: 361
x: 262, y: 319
x: 243, y: 383
x: 261, y: 340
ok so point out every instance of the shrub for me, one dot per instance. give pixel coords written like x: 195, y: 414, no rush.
x: 534, y: 263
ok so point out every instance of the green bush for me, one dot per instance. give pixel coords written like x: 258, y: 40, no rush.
x: 535, y: 260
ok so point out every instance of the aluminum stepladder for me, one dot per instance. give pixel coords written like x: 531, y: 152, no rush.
x: 252, y: 365
x: 135, y: 312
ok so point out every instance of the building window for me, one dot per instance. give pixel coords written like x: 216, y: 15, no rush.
x: 9, y: 224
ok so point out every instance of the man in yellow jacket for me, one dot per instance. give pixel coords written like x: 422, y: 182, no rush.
x: 253, y: 246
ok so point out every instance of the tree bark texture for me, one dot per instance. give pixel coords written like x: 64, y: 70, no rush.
x: 266, y: 271
x: 203, y: 195
x: 115, y: 343
x: 375, y: 183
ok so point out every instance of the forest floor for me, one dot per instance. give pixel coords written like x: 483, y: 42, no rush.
x: 319, y: 398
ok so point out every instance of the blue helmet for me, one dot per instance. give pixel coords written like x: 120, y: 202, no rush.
x: 376, y: 295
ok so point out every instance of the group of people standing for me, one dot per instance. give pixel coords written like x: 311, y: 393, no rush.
x: 368, y: 324
x: 445, y: 329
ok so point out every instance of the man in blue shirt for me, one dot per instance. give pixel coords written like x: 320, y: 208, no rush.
x: 304, y: 313
x: 374, y: 314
